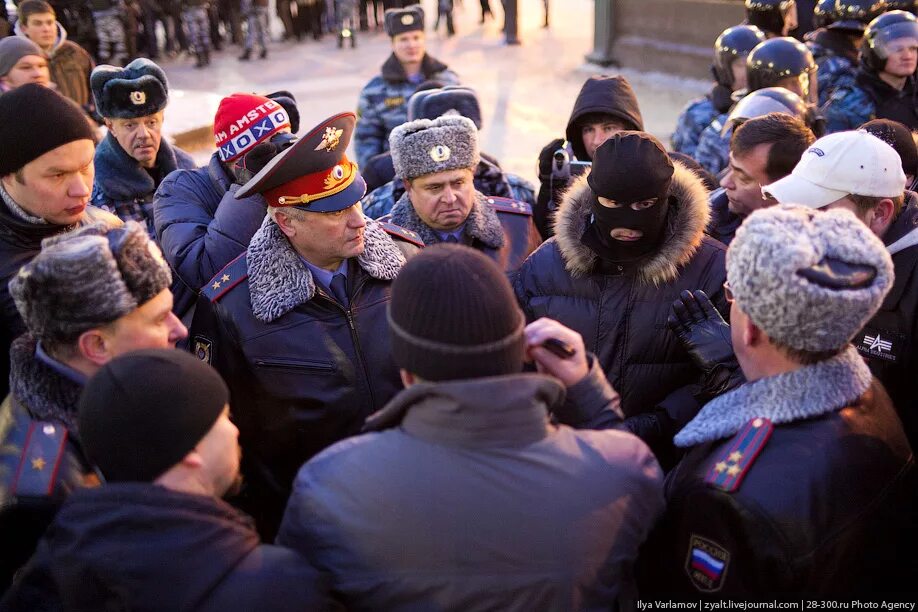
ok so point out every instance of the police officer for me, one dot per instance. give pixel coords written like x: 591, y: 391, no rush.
x: 884, y: 86
x: 297, y: 324
x: 436, y: 161
x: 729, y: 70
x: 383, y: 101
x: 777, y: 62
x: 774, y: 17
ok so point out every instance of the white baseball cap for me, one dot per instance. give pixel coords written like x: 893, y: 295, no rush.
x: 838, y: 165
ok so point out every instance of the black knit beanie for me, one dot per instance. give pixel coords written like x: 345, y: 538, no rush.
x: 453, y: 315
x: 141, y: 413
x: 35, y: 120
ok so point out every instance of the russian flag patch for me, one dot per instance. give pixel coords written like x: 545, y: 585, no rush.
x: 706, y: 564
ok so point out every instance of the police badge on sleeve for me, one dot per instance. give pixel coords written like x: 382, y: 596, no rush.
x: 706, y: 564
x: 202, y: 348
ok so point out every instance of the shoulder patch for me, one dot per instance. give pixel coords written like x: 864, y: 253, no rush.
x: 706, y: 564
x: 40, y: 460
x: 234, y: 273
x: 506, y: 205
x: 739, y: 454
x: 400, y: 232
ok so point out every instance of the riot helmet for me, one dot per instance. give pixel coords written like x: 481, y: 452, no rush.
x: 902, y: 5
x: 777, y: 59
x: 774, y: 17
x: 823, y: 13
x: 735, y: 42
x: 884, y: 34
x: 765, y: 101
x: 854, y: 15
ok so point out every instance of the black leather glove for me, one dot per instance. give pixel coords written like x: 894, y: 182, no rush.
x: 546, y: 157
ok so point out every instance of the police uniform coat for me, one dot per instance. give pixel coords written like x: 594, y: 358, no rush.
x: 500, y: 228
x: 383, y: 103
x: 303, y: 370
x: 856, y: 101
x: 796, y: 483
x: 621, y: 312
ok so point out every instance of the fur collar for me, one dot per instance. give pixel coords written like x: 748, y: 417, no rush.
x: 482, y: 223
x: 47, y: 395
x: 119, y: 177
x: 688, y: 216
x: 279, y: 281
x: 806, y: 393
x: 393, y: 71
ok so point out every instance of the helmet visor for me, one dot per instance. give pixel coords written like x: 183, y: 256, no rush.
x: 894, y: 38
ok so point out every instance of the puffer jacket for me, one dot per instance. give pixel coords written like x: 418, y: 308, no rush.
x: 303, y: 370
x: 20, y: 242
x: 889, y: 341
x: 143, y: 547
x: 466, y: 497
x: 201, y: 226
x: 501, y: 229
x: 383, y: 103
x: 621, y: 312
x: 724, y: 222
x: 800, y: 483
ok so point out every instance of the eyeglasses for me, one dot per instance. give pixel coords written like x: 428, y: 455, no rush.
x: 728, y: 293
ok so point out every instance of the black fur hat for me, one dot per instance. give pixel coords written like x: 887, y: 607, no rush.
x: 137, y: 90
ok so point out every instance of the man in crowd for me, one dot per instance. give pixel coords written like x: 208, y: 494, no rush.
x: 729, y: 70
x: 860, y: 173
x: 436, y: 161
x: 132, y: 159
x: 884, y: 86
x: 774, y: 17
x: 69, y: 63
x: 383, y: 102
x: 498, y: 508
x: 605, y: 106
x: 199, y: 222
x: 629, y: 235
x: 762, y: 150
x: 800, y: 480
x: 156, y: 424
x: 297, y: 324
x: 90, y: 295
x: 21, y: 62
x: 46, y: 176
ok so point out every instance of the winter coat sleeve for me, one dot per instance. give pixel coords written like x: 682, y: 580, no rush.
x: 198, y: 239
x: 370, y: 133
x: 591, y: 403
x: 848, y: 108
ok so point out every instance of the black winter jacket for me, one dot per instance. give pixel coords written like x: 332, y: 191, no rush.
x: 303, y: 371
x: 137, y: 546
x: 622, y: 314
x: 824, y: 506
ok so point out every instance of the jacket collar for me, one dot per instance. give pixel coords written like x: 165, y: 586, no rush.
x: 903, y: 233
x: 218, y: 175
x: 482, y: 224
x: 120, y: 177
x: 495, y: 411
x: 279, y: 282
x: 688, y: 217
x: 809, y: 392
x: 46, y: 394
x: 392, y: 69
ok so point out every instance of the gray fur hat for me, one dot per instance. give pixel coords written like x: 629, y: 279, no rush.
x: 426, y: 146
x: 811, y: 280
x: 87, y: 278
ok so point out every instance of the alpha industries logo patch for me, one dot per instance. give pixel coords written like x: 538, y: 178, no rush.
x: 879, y: 344
x: 706, y: 564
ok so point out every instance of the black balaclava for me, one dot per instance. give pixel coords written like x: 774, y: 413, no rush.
x: 629, y: 167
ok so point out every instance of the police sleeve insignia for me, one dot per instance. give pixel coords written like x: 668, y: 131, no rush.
x: 202, y: 348
x: 706, y: 564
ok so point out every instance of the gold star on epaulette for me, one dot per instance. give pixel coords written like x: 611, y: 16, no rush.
x: 735, y: 456
x: 38, y: 464
x: 225, y: 278
x: 720, y: 466
x: 733, y: 470
x: 216, y: 285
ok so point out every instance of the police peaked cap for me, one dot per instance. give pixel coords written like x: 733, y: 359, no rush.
x: 399, y: 21
x: 137, y: 90
x: 313, y: 174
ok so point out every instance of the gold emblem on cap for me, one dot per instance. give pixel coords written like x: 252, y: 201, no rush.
x: 440, y: 153
x: 407, y: 19
x: 138, y: 97
x: 330, y: 140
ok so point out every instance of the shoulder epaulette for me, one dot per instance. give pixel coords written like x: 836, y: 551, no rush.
x: 400, y: 232
x: 234, y: 273
x: 507, y: 205
x: 739, y: 454
x: 42, y: 453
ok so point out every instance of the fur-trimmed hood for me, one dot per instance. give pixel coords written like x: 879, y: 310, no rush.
x: 120, y: 177
x: 279, y: 281
x: 689, y: 214
x: 47, y: 395
x: 482, y: 223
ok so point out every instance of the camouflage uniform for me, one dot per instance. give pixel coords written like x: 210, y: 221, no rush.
x: 489, y: 180
x: 848, y: 107
x: 713, y: 152
x: 383, y: 103
x: 834, y: 68
x: 696, y: 116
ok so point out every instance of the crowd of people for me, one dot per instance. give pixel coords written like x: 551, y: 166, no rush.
x: 290, y: 379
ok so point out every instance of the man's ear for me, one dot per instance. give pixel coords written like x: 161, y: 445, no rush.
x: 93, y: 346
x: 407, y: 377
x: 752, y: 334
x: 108, y: 123
x: 283, y: 222
x: 883, y: 214
x: 193, y: 460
